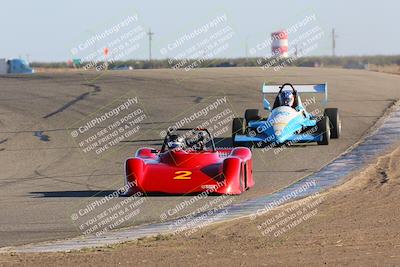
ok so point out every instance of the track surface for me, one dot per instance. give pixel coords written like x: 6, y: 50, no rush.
x: 43, y: 178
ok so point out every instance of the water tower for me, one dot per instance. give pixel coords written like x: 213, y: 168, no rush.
x: 279, y: 44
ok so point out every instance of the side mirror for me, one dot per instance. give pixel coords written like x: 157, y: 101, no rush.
x: 267, y: 105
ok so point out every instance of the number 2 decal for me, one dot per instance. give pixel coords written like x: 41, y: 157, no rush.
x: 183, y: 175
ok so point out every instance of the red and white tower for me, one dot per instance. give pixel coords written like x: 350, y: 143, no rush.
x: 279, y: 44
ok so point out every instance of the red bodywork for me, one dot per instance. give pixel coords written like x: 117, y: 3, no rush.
x: 224, y: 171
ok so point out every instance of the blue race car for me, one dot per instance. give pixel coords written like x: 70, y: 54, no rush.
x: 288, y: 121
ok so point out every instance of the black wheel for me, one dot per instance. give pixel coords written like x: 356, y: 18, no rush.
x: 251, y: 115
x: 335, y: 122
x: 237, y: 128
x: 242, y: 177
x: 249, y: 145
x: 324, y: 131
x: 246, y: 174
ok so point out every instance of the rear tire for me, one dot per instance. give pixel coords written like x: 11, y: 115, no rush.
x: 335, y: 122
x: 249, y: 145
x: 324, y: 131
x: 237, y: 128
x: 251, y: 115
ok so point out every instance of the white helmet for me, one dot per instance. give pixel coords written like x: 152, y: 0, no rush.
x: 176, y: 142
x: 286, y: 98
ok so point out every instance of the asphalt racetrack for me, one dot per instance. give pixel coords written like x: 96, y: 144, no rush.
x: 46, y: 178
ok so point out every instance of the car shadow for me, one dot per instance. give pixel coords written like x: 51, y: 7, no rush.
x: 142, y: 141
x: 97, y: 193
x: 72, y: 194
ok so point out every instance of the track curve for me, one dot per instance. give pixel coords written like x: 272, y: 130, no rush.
x: 44, y: 179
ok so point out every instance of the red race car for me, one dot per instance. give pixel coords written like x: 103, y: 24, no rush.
x: 190, y: 163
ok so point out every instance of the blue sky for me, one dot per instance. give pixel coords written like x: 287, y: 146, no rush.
x: 48, y: 29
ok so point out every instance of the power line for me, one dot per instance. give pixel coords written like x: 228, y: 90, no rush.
x: 334, y: 42
x: 150, y: 34
x: 245, y: 51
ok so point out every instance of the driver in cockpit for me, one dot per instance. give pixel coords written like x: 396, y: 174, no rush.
x: 287, y: 98
x: 176, y: 142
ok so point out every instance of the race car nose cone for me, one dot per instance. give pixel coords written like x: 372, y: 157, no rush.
x: 280, y: 139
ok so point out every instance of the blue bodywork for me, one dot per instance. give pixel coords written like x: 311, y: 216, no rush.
x: 262, y: 132
x: 284, y: 124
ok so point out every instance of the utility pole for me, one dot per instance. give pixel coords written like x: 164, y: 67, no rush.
x: 150, y: 34
x: 333, y: 42
x: 246, y: 48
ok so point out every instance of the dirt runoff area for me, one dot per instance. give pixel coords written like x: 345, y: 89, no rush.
x: 357, y: 224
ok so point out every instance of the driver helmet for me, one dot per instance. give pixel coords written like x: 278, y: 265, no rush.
x: 286, y: 98
x: 176, y: 142
x: 201, y: 136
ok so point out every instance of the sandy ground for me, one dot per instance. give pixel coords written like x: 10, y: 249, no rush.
x: 354, y: 224
x: 392, y: 69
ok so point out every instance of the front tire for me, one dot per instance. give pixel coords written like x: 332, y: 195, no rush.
x: 324, y: 131
x: 335, y: 122
x: 237, y: 128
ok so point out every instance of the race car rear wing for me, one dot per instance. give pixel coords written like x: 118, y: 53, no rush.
x: 301, y: 88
